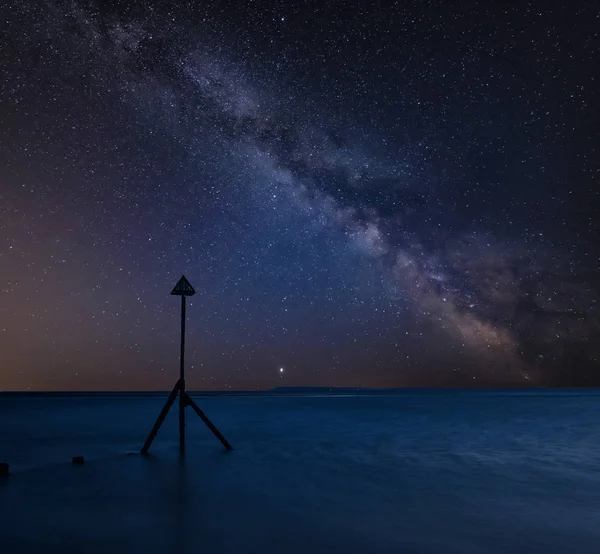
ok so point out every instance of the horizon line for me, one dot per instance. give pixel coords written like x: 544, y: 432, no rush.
x: 316, y: 388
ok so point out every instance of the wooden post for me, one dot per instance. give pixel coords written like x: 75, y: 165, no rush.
x: 182, y: 381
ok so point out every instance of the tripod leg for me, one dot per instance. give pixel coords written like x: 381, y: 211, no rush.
x: 161, y: 418
x: 208, y: 422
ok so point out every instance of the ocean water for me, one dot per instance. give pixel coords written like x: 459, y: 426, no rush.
x: 416, y: 472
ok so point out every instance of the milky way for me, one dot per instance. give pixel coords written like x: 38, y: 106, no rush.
x: 380, y: 198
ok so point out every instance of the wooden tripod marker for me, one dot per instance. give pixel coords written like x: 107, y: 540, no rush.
x: 183, y: 289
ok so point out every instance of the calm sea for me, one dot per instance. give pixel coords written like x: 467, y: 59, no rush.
x: 415, y: 472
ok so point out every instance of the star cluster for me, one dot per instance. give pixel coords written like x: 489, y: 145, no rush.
x: 366, y: 194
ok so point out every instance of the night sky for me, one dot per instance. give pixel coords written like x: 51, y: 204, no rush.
x: 363, y: 194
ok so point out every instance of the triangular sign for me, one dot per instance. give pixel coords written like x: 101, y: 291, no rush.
x: 183, y: 288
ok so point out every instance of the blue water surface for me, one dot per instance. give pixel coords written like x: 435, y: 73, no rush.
x: 416, y: 472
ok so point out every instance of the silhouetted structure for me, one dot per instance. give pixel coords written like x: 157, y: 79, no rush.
x: 183, y: 289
